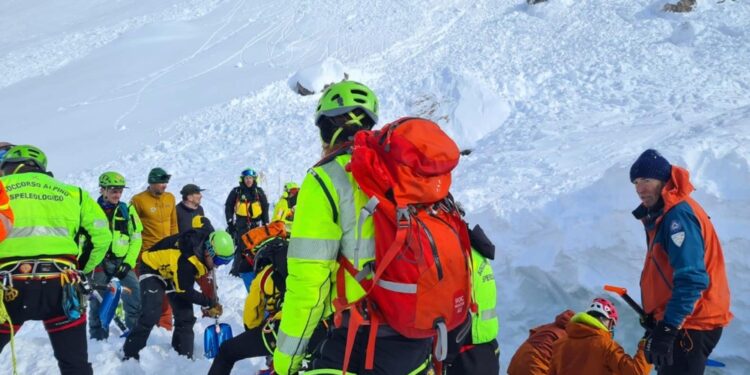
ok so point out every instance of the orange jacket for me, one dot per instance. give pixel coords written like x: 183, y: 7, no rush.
x: 6, y: 214
x: 679, y: 236
x: 533, y: 356
x: 590, y: 349
x: 158, y: 215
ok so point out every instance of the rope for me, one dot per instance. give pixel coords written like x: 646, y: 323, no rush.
x: 5, y: 317
x: 268, y: 327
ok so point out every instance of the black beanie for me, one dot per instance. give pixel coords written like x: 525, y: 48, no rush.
x: 651, y: 165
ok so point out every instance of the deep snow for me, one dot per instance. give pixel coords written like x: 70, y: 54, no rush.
x: 556, y: 100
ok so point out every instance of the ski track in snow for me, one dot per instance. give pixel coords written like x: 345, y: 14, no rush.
x: 577, y: 89
x: 47, y: 56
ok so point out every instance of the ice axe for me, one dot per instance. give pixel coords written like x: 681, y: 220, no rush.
x: 215, y: 334
x: 623, y: 293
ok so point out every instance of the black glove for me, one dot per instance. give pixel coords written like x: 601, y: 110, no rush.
x: 122, y: 271
x: 648, y: 323
x: 659, y: 347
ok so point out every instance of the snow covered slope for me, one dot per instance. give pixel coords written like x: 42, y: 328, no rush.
x: 556, y: 100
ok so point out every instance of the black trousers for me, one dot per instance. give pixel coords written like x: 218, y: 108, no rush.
x: 691, y: 351
x: 481, y: 359
x: 250, y: 344
x: 42, y: 300
x: 152, y: 296
x: 394, y: 355
x: 242, y: 225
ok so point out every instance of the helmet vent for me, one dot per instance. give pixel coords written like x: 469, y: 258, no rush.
x: 359, y: 92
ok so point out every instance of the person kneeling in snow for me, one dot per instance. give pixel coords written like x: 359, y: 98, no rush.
x: 173, y: 265
x: 262, y: 308
x: 590, y: 347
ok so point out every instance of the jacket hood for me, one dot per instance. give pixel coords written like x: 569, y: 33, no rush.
x: 677, y: 188
x: 563, y: 318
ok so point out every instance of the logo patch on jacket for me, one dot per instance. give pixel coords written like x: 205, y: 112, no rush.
x: 677, y: 234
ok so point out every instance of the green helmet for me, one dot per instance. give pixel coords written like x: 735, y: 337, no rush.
x: 222, y: 243
x: 343, y: 97
x: 25, y: 153
x: 290, y: 185
x: 111, y: 179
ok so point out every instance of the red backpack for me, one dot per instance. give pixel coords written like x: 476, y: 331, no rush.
x: 422, y: 281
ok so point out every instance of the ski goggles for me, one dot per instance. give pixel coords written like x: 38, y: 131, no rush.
x: 249, y: 173
x: 220, y: 260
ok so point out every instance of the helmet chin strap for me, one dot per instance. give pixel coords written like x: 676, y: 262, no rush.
x: 335, y: 136
x: 18, y: 168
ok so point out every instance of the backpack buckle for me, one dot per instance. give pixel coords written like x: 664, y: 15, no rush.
x: 403, y: 217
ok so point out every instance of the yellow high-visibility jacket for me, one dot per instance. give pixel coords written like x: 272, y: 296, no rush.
x: 48, y: 215
x: 316, y: 242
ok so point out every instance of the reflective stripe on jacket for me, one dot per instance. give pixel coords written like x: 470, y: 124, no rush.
x: 316, y: 242
x: 684, y: 279
x: 48, y: 215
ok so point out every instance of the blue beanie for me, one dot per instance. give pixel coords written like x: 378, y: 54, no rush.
x: 651, y: 165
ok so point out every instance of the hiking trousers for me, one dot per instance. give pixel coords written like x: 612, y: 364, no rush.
x: 394, y: 354
x: 242, y: 225
x: 479, y: 359
x: 42, y: 300
x: 131, y: 301
x: 152, y: 296
x: 250, y: 344
x: 691, y: 350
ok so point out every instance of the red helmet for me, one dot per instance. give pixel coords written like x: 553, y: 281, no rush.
x: 604, y: 307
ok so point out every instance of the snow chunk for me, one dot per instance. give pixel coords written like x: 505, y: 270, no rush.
x: 313, y: 78
x: 465, y: 107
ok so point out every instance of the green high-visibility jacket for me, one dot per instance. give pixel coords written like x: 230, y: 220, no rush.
x: 127, y: 245
x: 48, y: 215
x: 484, y: 323
x: 317, y: 240
x: 126, y: 228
